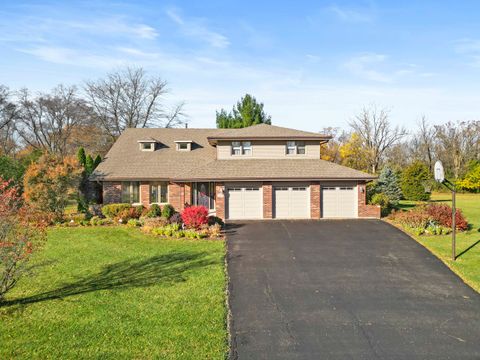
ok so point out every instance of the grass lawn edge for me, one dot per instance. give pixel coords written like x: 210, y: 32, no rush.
x: 447, y: 262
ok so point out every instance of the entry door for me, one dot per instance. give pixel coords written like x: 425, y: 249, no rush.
x: 291, y: 202
x: 339, y: 201
x: 244, y: 202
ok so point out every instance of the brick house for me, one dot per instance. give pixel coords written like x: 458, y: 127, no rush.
x: 259, y: 172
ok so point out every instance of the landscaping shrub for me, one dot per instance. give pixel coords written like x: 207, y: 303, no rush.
x: 153, y: 211
x: 384, y: 201
x: 134, y: 223
x: 176, y: 218
x: 130, y: 213
x: 442, y: 214
x: 95, y: 210
x: 215, y: 230
x: 195, y: 216
x: 212, y: 220
x: 413, y: 182
x: 112, y: 211
x: 167, y: 211
x: 416, y: 218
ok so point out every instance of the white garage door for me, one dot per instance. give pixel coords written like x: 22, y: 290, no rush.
x: 244, y: 202
x: 339, y: 201
x: 291, y: 202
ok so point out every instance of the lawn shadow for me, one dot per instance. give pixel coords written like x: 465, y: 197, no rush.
x: 468, y: 248
x: 168, y: 268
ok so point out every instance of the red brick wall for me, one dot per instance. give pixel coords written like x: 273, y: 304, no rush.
x: 112, y: 192
x: 315, y: 212
x: 176, y: 195
x: 145, y: 193
x: 267, y: 200
x: 365, y: 210
x: 220, y: 199
x: 188, y: 193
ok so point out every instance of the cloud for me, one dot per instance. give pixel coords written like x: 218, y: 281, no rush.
x: 196, y: 28
x: 352, y: 15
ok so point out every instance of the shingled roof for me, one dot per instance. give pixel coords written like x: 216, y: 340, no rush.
x: 125, y: 161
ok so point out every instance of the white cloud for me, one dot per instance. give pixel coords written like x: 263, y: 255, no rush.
x: 196, y: 28
x: 352, y: 15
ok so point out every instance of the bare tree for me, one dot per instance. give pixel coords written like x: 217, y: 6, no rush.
x: 423, y: 143
x: 129, y: 99
x: 47, y: 121
x: 374, y: 128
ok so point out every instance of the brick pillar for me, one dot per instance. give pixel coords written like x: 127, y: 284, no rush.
x: 267, y: 200
x: 112, y: 192
x: 176, y: 195
x: 315, y: 212
x: 362, y: 196
x: 145, y: 193
x: 188, y: 193
x: 220, y: 199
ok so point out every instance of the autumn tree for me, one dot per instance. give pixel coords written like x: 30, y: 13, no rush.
x: 47, y: 121
x: 354, y: 154
x: 376, y: 134
x: 131, y: 99
x: 21, y: 233
x: 330, y: 151
x: 8, y: 114
x: 246, y: 112
x: 51, y: 182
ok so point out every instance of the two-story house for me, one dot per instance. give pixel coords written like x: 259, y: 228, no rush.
x: 259, y: 172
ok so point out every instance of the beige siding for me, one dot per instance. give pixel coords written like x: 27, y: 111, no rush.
x: 274, y: 149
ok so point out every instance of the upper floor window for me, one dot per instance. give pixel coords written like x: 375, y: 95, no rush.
x: 184, y: 145
x: 241, y: 148
x: 130, y: 192
x: 147, y: 145
x: 159, y: 192
x: 295, y: 148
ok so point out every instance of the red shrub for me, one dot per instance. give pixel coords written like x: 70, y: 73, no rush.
x: 417, y: 218
x: 442, y: 214
x: 195, y: 216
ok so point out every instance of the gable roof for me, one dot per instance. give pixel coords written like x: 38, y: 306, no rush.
x: 125, y: 161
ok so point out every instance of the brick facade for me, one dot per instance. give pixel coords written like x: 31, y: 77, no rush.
x: 220, y: 199
x: 365, y: 210
x: 176, y: 195
x: 112, y: 192
x: 145, y: 193
x: 187, y: 200
x: 267, y: 200
x: 315, y: 212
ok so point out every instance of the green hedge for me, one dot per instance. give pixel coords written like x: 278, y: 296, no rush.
x: 112, y: 211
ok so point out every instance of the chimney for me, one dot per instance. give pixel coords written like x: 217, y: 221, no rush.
x: 186, y: 125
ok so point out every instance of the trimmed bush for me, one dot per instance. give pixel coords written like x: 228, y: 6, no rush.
x: 153, y: 211
x: 212, y: 220
x: 134, y: 223
x: 195, y: 216
x: 413, y: 182
x: 176, y: 218
x: 113, y: 211
x: 442, y: 215
x: 384, y: 201
x: 167, y: 211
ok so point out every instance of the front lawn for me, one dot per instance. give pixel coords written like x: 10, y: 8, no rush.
x: 115, y: 293
x: 467, y: 265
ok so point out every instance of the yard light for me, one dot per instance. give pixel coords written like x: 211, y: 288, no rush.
x: 439, y: 174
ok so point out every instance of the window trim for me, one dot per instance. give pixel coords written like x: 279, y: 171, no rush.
x: 296, y: 147
x: 241, y: 147
x: 133, y: 198
x: 158, y: 184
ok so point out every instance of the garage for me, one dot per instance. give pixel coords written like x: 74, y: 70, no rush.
x: 339, y: 201
x: 244, y: 201
x: 291, y: 201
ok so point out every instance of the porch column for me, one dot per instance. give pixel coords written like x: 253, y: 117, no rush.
x: 220, y: 199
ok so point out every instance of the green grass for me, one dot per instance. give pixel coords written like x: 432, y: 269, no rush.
x: 114, y: 293
x: 467, y: 265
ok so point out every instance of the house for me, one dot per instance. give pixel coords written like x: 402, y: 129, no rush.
x: 258, y: 172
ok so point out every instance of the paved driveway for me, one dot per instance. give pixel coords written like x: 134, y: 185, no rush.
x: 346, y: 289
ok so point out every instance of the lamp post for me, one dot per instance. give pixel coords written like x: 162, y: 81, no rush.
x: 440, y: 177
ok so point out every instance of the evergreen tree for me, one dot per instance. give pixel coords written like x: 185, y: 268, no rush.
x: 414, y: 178
x: 81, y: 156
x: 388, y: 184
x: 89, y: 167
x: 97, y: 161
x: 246, y: 112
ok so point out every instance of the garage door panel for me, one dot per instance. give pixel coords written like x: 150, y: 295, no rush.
x: 244, y: 202
x: 291, y: 202
x: 339, y: 201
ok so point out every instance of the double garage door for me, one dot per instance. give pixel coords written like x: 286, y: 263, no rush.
x: 289, y: 201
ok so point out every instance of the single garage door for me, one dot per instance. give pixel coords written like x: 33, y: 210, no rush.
x: 244, y: 202
x: 291, y: 202
x: 339, y: 201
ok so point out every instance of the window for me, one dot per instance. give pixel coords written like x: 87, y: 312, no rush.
x: 295, y: 148
x: 183, y: 146
x: 241, y: 148
x: 159, y: 192
x: 130, y: 192
x: 147, y: 146
x: 204, y: 195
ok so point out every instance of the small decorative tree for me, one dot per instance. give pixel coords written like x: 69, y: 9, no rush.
x: 413, y: 180
x: 51, y: 182
x: 21, y: 232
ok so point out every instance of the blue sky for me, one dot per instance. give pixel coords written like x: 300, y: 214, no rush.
x: 313, y: 63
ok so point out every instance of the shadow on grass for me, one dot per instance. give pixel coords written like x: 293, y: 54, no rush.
x: 469, y: 248
x: 168, y: 268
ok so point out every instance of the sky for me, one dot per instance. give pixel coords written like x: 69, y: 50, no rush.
x: 314, y: 64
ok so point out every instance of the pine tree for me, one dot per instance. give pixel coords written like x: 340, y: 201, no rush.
x: 414, y: 178
x: 81, y: 156
x: 246, y: 112
x: 89, y: 164
x: 97, y: 161
x: 388, y: 184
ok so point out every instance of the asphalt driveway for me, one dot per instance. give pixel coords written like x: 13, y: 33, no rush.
x: 345, y: 289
